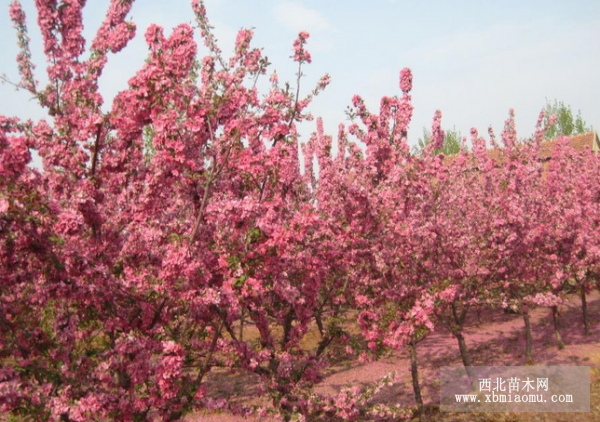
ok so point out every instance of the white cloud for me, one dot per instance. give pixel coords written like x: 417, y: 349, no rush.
x: 297, y: 17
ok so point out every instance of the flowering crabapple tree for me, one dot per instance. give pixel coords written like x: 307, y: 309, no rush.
x: 401, y: 288
x: 518, y: 225
x: 571, y: 183
x: 587, y: 253
x: 343, y: 199
x: 534, y: 239
x: 391, y: 296
x: 565, y: 213
x: 154, y: 229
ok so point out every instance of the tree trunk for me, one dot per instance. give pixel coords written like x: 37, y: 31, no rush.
x: 528, y: 340
x: 241, y: 332
x: 414, y: 370
x: 319, y: 322
x: 559, y: 341
x: 586, y: 324
x: 459, y: 320
x: 464, y: 355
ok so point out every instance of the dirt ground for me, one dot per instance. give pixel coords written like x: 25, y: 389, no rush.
x: 494, y: 339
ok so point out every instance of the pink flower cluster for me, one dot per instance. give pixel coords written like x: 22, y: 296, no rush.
x: 300, y: 53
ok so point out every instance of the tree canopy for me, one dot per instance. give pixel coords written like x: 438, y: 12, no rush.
x: 566, y: 123
x: 452, y: 142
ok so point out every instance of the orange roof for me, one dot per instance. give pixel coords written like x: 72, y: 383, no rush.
x: 577, y: 143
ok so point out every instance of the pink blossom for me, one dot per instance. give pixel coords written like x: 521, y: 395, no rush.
x: 406, y: 80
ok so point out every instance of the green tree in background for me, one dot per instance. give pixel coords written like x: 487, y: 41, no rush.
x: 452, y: 142
x: 566, y: 124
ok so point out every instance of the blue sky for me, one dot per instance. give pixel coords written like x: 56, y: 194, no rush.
x: 471, y: 59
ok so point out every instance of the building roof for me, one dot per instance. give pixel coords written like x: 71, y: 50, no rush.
x: 577, y: 143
